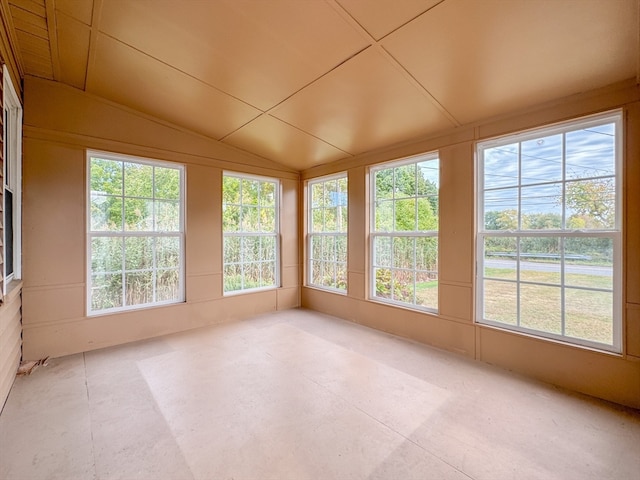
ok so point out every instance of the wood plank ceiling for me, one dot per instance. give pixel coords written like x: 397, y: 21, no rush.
x: 305, y: 82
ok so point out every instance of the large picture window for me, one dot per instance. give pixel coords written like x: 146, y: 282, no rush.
x: 549, y: 240
x: 404, y: 232
x: 136, y: 238
x: 328, y: 222
x: 250, y: 232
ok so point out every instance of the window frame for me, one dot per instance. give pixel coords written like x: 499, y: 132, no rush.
x: 12, y: 164
x: 326, y: 233
x: 124, y: 234
x: 276, y: 234
x: 615, y: 234
x: 415, y: 234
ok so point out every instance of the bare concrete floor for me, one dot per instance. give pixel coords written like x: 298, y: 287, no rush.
x: 300, y: 395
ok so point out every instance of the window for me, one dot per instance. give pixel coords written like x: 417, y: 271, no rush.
x: 328, y: 222
x: 136, y: 233
x: 404, y: 236
x: 12, y: 182
x: 549, y: 240
x: 250, y: 232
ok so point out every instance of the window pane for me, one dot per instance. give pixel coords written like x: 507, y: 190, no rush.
x: 501, y: 166
x: 168, y: 252
x: 428, y: 177
x: 383, y: 282
x: 500, y: 257
x: 328, y: 248
x: 341, y: 276
x: 106, y: 254
x: 167, y: 285
x: 405, y: 181
x: 231, y: 218
x: 250, y: 249
x: 591, y: 152
x: 405, y: 215
x: 230, y: 190
x: 138, y: 288
x: 167, y: 216
x: 426, y: 252
x: 541, y: 308
x: 232, y: 277
x: 382, y: 251
x: 540, y: 259
x: 106, y: 213
x: 330, y: 219
x: 167, y: 183
x: 427, y: 289
x: 268, y: 194
x: 541, y: 206
x: 138, y: 253
x: 341, y: 248
x: 317, y: 220
x: 138, y: 180
x: 501, y: 301
x: 589, y: 262
x: 403, y: 252
x: 427, y: 214
x: 267, y: 219
x: 250, y: 190
x: 403, y: 286
x: 232, y: 249
x: 384, y: 216
x: 316, y: 247
x: 317, y: 195
x: 501, y: 209
x: 589, y: 315
x: 268, y: 274
x: 384, y: 184
x: 316, y: 272
x: 106, y: 177
x: 268, y: 248
x: 542, y: 160
x: 106, y: 291
x: 138, y: 214
x: 250, y: 219
x: 591, y: 204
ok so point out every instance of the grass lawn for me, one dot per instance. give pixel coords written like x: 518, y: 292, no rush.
x: 587, y: 314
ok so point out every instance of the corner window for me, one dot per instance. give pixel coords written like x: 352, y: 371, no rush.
x: 135, y: 233
x: 250, y: 232
x: 549, y: 239
x: 404, y: 232
x: 12, y: 183
x: 328, y: 223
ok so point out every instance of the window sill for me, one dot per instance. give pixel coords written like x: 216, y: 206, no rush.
x: 14, y: 288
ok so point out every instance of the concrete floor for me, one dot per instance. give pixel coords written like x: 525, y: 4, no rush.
x: 299, y: 395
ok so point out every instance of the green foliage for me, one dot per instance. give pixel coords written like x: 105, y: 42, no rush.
x: 594, y: 203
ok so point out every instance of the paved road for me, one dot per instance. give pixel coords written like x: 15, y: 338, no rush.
x: 551, y: 267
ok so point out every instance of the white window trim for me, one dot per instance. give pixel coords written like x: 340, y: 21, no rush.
x: 616, y: 234
x: 90, y: 234
x: 276, y: 234
x: 311, y: 233
x: 373, y: 234
x: 14, y: 146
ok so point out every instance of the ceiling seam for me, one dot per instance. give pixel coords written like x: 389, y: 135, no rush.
x: 172, y: 67
x: 391, y: 59
x: 266, y: 114
x: 52, y: 27
x: 409, y: 21
x: 93, y: 38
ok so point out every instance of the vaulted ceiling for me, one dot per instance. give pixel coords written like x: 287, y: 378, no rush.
x: 306, y: 82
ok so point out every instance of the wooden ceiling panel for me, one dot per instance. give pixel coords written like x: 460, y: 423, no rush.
x: 381, y: 17
x: 129, y: 77
x: 73, y: 50
x: 261, y: 52
x: 481, y: 59
x: 364, y: 104
x: 275, y: 140
x: 81, y: 10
